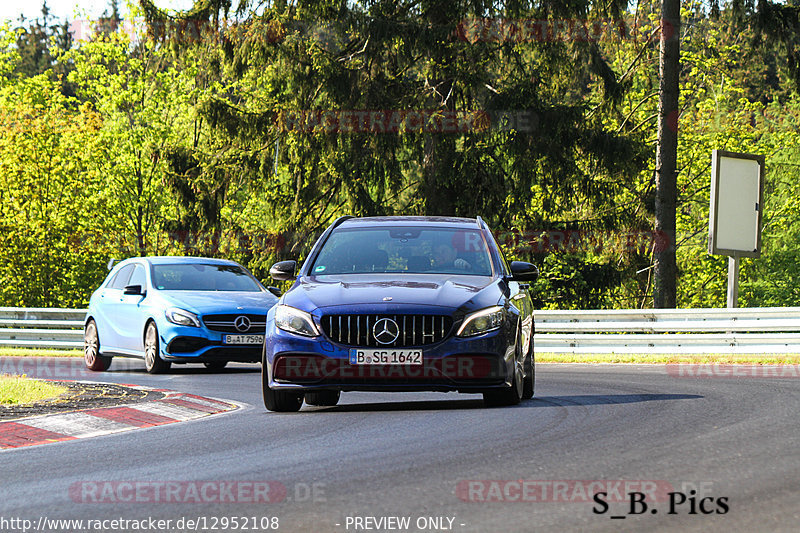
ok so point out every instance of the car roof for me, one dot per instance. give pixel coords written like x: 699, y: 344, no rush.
x: 410, y: 221
x: 180, y: 260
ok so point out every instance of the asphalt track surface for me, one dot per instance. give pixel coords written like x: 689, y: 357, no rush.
x: 412, y: 455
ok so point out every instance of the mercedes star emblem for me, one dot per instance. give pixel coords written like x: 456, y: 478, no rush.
x: 242, y: 323
x: 385, y: 331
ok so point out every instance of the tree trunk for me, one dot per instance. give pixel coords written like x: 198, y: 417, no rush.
x: 664, y: 289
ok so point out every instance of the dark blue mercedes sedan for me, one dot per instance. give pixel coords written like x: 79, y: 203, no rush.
x: 401, y: 304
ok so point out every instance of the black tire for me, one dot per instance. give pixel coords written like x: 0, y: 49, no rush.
x: 529, y: 382
x: 277, y: 400
x: 324, y: 398
x: 511, y: 395
x: 91, y: 349
x: 216, y: 365
x: 504, y: 397
x: 152, y: 359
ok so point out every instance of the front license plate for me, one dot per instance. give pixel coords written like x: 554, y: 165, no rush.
x: 385, y: 357
x: 244, y: 339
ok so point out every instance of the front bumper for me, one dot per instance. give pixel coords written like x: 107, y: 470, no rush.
x: 183, y: 344
x: 474, y: 364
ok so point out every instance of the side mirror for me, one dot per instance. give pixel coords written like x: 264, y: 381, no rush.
x: 283, y: 270
x: 133, y: 289
x: 274, y: 290
x: 522, y: 271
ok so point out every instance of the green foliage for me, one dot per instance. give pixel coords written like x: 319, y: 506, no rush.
x: 143, y: 100
x: 9, y: 55
x: 736, y: 97
x: 570, y: 282
x: 722, y: 113
x: 38, y: 42
x: 48, y: 147
x: 204, y: 137
x: 555, y: 166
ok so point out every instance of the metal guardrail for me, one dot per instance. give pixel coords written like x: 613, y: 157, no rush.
x: 750, y: 330
x: 30, y: 327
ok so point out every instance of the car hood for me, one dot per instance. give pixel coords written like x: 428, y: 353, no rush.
x: 203, y: 302
x: 371, y: 290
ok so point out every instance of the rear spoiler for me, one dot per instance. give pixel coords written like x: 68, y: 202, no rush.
x: 112, y: 262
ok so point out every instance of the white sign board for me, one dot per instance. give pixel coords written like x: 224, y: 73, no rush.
x: 737, y: 182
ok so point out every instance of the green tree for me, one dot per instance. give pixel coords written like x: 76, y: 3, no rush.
x: 559, y: 169
x: 37, y: 40
x: 48, y: 147
x: 143, y: 100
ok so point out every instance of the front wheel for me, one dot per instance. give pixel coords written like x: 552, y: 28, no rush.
x: 91, y: 349
x: 152, y: 359
x: 530, y: 374
x: 505, y: 397
x: 512, y: 395
x: 278, y: 400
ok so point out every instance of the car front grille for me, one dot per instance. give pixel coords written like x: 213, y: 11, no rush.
x: 378, y: 330
x: 227, y: 323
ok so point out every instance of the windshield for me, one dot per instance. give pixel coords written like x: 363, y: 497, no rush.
x: 412, y: 250
x: 198, y: 277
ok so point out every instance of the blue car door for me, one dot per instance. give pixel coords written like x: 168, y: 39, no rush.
x: 108, y: 323
x: 130, y: 315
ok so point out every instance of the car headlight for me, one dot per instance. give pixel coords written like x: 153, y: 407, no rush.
x: 482, y: 321
x: 182, y: 317
x: 295, y: 321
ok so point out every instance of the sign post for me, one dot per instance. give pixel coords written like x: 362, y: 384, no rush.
x: 733, y: 282
x: 734, y: 229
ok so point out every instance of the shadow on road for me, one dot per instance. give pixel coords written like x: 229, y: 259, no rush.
x: 539, y: 401
x: 606, y: 399
x: 185, y: 370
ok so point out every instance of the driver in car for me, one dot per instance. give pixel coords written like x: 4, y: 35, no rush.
x: 444, y: 258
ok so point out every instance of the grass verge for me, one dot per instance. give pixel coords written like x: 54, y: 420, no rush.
x: 667, y: 358
x: 15, y: 390
x: 36, y: 352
